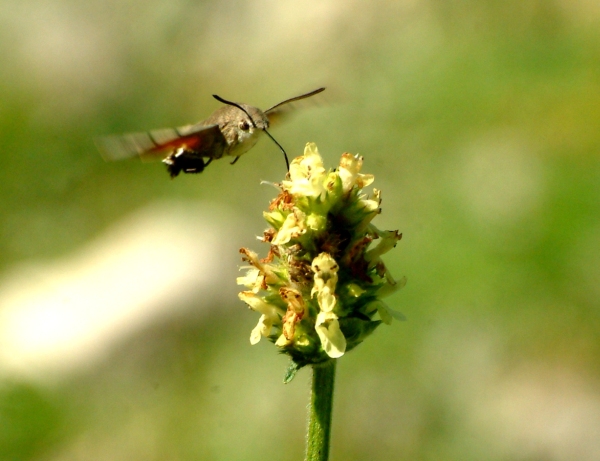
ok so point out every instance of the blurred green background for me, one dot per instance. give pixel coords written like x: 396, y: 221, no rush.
x: 121, y: 334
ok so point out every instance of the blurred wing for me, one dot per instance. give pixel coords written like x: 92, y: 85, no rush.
x: 279, y: 111
x: 202, y: 139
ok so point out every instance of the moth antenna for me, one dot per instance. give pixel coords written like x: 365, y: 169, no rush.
x: 235, y: 104
x: 297, y: 98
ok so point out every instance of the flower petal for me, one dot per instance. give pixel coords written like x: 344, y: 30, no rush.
x: 262, y: 328
x: 332, y: 338
x: 253, y: 279
x: 307, y: 174
x: 326, y: 300
x: 325, y: 269
x: 293, y: 226
x: 391, y: 288
x: 350, y: 166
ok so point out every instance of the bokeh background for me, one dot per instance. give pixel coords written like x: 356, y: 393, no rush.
x: 121, y: 335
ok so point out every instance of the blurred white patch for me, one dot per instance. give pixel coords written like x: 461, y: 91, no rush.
x: 541, y: 413
x: 500, y: 179
x: 536, y: 410
x: 310, y: 22
x: 60, y: 48
x: 62, y: 314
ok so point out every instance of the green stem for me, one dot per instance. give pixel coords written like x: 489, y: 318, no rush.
x: 321, y: 405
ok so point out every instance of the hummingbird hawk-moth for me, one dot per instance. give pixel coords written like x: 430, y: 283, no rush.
x: 231, y: 130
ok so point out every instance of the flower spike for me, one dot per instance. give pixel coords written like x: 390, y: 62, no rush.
x: 319, y: 289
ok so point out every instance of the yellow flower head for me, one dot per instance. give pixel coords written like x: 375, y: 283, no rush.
x: 319, y: 289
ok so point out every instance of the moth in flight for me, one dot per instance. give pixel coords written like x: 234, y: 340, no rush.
x: 231, y: 130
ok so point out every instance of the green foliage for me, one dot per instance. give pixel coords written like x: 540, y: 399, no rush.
x: 478, y: 119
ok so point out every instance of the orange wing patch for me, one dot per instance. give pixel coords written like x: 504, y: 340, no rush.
x: 205, y: 141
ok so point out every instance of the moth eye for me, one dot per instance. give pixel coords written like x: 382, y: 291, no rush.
x: 244, y: 125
